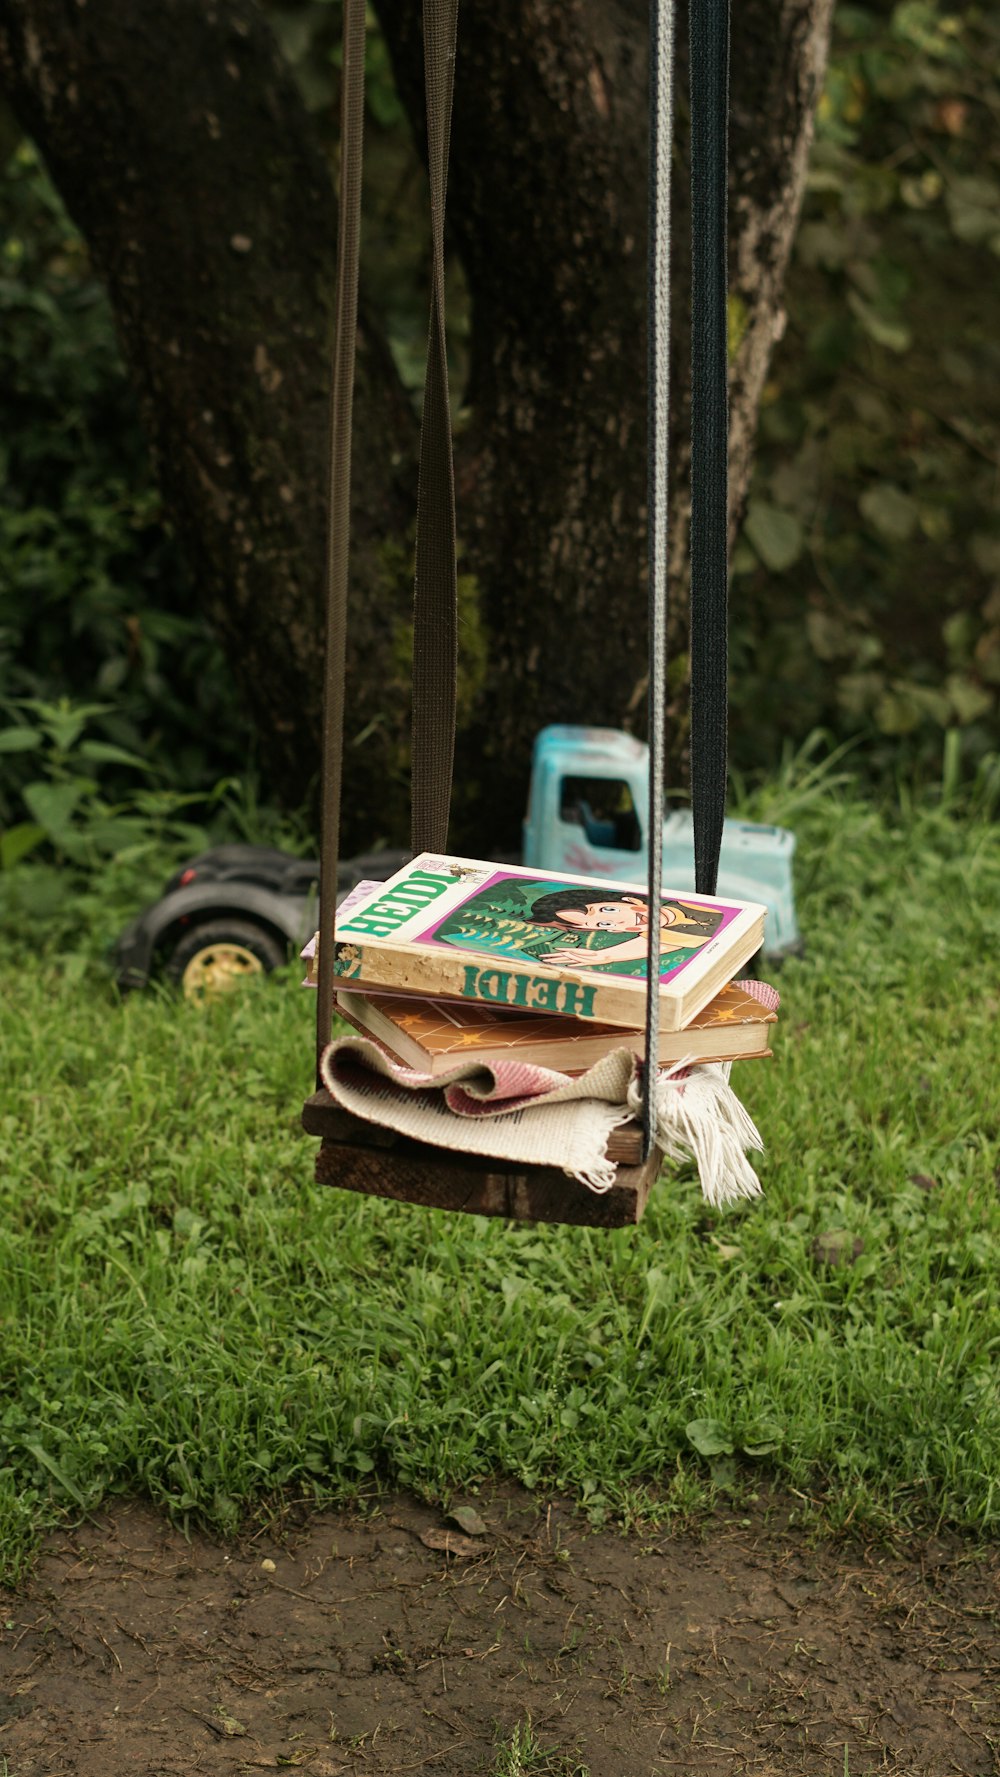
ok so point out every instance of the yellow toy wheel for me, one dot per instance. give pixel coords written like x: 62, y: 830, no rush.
x: 221, y: 956
x: 218, y: 969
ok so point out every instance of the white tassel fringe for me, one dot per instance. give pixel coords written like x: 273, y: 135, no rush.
x: 699, y: 1116
x: 598, y: 1178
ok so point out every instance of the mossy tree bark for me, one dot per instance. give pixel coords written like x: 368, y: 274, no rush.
x: 184, y: 154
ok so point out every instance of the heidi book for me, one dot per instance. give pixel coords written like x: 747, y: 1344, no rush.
x: 506, y: 935
x: 431, y: 1035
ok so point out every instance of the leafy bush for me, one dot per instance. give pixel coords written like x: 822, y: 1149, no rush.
x: 97, y: 604
x: 86, y: 855
x: 867, y: 581
x: 74, y: 870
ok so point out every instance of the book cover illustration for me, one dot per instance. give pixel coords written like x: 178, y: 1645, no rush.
x: 361, y: 892
x: 524, y: 920
x: 564, y: 922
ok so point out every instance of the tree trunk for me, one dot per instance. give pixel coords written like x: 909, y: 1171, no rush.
x: 183, y: 153
x: 547, y: 205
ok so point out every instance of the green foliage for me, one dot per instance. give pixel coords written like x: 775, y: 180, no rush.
x: 96, y: 603
x: 521, y: 1754
x: 183, y: 1313
x: 867, y: 582
x: 80, y: 854
x: 84, y: 857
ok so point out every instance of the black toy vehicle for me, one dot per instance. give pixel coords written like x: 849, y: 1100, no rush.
x: 235, y: 911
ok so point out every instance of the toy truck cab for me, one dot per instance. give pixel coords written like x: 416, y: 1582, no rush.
x: 587, y: 808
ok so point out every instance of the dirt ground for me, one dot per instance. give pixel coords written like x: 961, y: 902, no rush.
x: 348, y: 1646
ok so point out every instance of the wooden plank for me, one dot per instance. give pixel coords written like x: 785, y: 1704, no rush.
x: 320, y: 1116
x: 436, y: 1178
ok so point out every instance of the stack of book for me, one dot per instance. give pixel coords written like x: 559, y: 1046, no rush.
x: 454, y: 959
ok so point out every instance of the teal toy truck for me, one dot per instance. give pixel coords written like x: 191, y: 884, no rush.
x: 586, y: 811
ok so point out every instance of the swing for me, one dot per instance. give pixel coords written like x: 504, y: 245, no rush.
x: 365, y: 1157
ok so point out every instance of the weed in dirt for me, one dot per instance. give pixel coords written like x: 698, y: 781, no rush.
x: 622, y: 1684
x: 186, y: 1316
x: 522, y: 1755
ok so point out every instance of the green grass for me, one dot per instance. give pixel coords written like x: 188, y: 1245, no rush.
x: 182, y: 1312
x: 521, y: 1754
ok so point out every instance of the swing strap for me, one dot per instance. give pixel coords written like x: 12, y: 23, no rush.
x: 435, y: 612
x: 352, y: 108
x: 435, y: 599
x: 661, y: 103
x: 709, y: 79
x: 709, y: 55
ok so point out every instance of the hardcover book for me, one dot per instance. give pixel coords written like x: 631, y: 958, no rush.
x: 431, y: 1035
x: 506, y: 935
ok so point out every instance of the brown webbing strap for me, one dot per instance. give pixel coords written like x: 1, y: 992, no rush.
x: 352, y: 108
x: 709, y: 34
x: 435, y: 600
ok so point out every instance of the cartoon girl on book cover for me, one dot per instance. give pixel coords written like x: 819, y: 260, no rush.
x: 572, y: 927
x: 582, y: 913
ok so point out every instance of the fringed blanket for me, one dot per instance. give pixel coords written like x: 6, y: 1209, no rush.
x: 514, y: 1110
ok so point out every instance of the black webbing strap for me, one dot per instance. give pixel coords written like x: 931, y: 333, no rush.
x: 661, y: 58
x: 709, y: 52
x: 709, y: 58
x: 435, y: 600
x: 352, y: 108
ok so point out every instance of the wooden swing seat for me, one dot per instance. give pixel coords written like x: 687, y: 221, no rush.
x: 357, y: 1156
